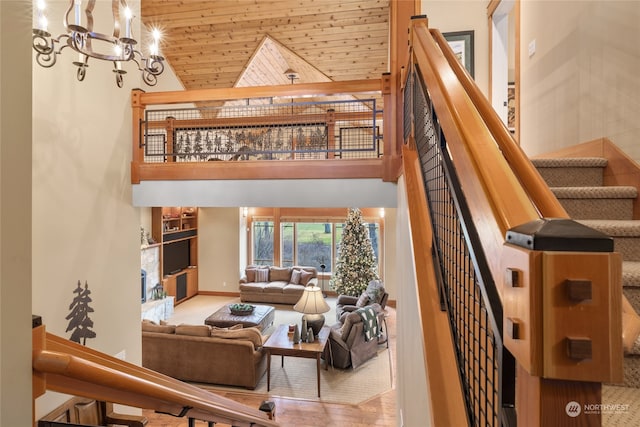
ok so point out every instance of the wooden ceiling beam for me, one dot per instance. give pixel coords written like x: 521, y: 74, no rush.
x: 221, y: 94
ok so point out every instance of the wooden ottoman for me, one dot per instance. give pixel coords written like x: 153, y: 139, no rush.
x: 262, y: 318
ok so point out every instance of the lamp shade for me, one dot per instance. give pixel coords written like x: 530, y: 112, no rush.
x: 311, y: 301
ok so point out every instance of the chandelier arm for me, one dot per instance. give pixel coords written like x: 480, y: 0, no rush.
x: 153, y: 65
x: 119, y: 80
x: 89, y: 13
x: 81, y: 73
x: 45, y: 46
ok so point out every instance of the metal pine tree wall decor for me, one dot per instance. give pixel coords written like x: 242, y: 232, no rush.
x: 79, y: 321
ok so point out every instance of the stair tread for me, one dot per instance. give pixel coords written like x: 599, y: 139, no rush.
x: 614, y: 228
x: 605, y: 192
x: 563, y: 162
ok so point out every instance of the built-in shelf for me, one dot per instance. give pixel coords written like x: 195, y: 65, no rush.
x: 170, y: 226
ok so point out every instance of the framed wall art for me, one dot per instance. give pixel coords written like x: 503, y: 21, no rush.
x: 461, y: 42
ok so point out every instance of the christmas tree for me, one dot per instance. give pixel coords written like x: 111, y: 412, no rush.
x: 356, y: 264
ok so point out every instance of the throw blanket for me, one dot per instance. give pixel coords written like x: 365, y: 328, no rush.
x: 370, y: 322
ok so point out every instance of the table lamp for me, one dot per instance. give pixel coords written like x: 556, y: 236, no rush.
x: 312, y: 305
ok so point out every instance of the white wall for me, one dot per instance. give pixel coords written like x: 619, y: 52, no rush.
x: 15, y: 215
x: 84, y: 225
x: 218, y: 249
x: 582, y: 82
x: 464, y: 15
x: 413, y: 402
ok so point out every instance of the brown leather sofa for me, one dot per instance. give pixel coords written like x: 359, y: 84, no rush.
x: 200, y: 353
x: 278, y: 285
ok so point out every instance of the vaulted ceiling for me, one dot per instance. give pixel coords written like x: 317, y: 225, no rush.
x: 222, y: 44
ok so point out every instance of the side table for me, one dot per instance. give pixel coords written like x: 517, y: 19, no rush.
x: 280, y: 343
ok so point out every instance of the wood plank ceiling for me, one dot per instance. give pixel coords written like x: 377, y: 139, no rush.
x: 221, y: 44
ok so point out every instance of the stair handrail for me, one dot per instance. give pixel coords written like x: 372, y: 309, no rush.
x: 493, y: 188
x: 67, y: 367
x: 531, y: 180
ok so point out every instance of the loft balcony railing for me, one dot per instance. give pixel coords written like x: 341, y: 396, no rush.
x: 476, y: 206
x: 267, y: 131
x: 336, y: 129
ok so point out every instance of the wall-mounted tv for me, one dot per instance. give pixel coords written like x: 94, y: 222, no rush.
x: 175, y: 256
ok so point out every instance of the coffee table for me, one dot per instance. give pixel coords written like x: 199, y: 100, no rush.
x: 262, y: 318
x: 281, y: 343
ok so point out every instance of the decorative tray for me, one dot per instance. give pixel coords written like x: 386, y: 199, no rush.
x: 241, y: 309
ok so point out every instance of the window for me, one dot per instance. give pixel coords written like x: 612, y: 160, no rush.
x: 262, y: 234
x: 313, y: 244
x: 301, y: 238
x: 287, y: 243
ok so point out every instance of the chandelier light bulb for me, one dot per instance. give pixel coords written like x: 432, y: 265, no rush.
x: 43, y: 24
x: 76, y: 9
x: 154, y: 48
x: 128, y: 16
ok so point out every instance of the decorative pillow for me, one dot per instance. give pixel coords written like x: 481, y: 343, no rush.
x: 194, y: 330
x: 262, y: 275
x: 295, y: 277
x: 375, y: 290
x: 251, y: 334
x: 363, y: 300
x: 160, y: 329
x: 279, y: 274
x: 305, y: 276
x: 251, y: 274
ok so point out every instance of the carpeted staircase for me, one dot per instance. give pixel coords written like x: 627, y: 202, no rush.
x: 578, y: 185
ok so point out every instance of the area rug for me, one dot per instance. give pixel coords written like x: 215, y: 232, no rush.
x: 297, y: 380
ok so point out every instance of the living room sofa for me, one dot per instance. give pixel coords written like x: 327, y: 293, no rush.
x: 278, y: 285
x: 200, y: 353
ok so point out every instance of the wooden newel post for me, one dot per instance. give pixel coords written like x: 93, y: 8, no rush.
x: 137, y: 156
x: 562, y: 298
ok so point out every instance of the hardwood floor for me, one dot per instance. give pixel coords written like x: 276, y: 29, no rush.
x: 378, y: 411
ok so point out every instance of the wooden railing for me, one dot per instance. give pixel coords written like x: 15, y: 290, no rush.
x: 66, y: 367
x: 321, y: 158
x: 542, y: 321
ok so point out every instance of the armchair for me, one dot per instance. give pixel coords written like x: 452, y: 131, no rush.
x: 375, y: 293
x: 347, y: 345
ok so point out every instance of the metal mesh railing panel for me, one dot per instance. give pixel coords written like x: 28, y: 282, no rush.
x: 476, y: 349
x: 264, y: 131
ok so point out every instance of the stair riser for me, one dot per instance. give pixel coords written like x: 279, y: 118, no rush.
x: 629, y: 248
x: 572, y: 177
x: 611, y: 209
x: 632, y: 371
